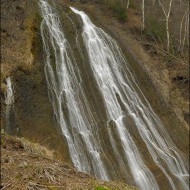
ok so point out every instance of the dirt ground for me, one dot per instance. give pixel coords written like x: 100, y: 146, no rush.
x: 27, y: 165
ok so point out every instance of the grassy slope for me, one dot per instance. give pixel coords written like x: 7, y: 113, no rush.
x: 27, y: 165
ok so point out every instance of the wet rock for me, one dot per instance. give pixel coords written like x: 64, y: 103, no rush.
x: 83, y: 1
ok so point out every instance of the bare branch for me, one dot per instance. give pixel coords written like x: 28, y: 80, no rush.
x: 143, y: 17
x: 128, y: 4
x: 167, y: 15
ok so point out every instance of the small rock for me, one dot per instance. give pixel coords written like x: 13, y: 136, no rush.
x: 24, y: 164
x: 6, y: 160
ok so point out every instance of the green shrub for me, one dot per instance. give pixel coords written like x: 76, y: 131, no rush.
x: 101, y: 188
x: 119, y: 10
x: 122, y: 16
x: 2, y: 136
x: 118, y: 7
x: 156, y: 29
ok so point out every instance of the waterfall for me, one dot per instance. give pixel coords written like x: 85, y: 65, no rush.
x: 66, y: 94
x: 123, y: 102
x: 9, y: 101
x: 119, y: 89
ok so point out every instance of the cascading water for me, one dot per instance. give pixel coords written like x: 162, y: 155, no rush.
x: 107, y: 63
x: 9, y: 101
x: 66, y: 92
x: 122, y: 99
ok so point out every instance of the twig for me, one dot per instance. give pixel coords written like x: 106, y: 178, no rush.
x: 45, y: 140
x: 10, y: 184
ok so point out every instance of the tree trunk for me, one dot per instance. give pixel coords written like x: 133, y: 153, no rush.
x: 168, y: 34
x: 127, y: 4
x: 143, y: 18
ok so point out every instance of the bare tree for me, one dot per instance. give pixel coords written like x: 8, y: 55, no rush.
x: 153, y: 2
x: 180, y: 33
x: 166, y: 6
x: 184, y: 30
x: 143, y: 17
x: 127, y: 4
x: 187, y: 24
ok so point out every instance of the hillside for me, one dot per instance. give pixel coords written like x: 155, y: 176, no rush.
x: 91, y: 91
x: 28, y: 165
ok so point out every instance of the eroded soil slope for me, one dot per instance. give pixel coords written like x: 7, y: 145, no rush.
x: 27, y: 165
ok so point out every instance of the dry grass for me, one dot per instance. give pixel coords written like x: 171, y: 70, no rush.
x: 27, y: 165
x: 18, y: 35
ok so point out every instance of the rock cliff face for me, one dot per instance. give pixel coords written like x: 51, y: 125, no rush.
x: 22, y: 60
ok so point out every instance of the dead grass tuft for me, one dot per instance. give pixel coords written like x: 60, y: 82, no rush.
x: 27, y: 165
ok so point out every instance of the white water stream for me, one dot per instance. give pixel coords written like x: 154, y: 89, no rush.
x: 107, y: 63
x: 9, y: 101
x: 121, y: 101
x: 66, y: 92
x: 9, y: 97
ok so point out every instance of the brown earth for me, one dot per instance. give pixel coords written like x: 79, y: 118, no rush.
x: 27, y: 165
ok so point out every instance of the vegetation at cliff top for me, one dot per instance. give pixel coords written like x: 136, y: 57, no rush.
x: 157, y: 19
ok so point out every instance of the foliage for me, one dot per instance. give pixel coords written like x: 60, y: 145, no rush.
x: 133, y: 5
x: 2, y: 131
x: 118, y: 7
x: 101, y: 188
x: 156, y: 29
x: 2, y: 134
x: 120, y: 11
